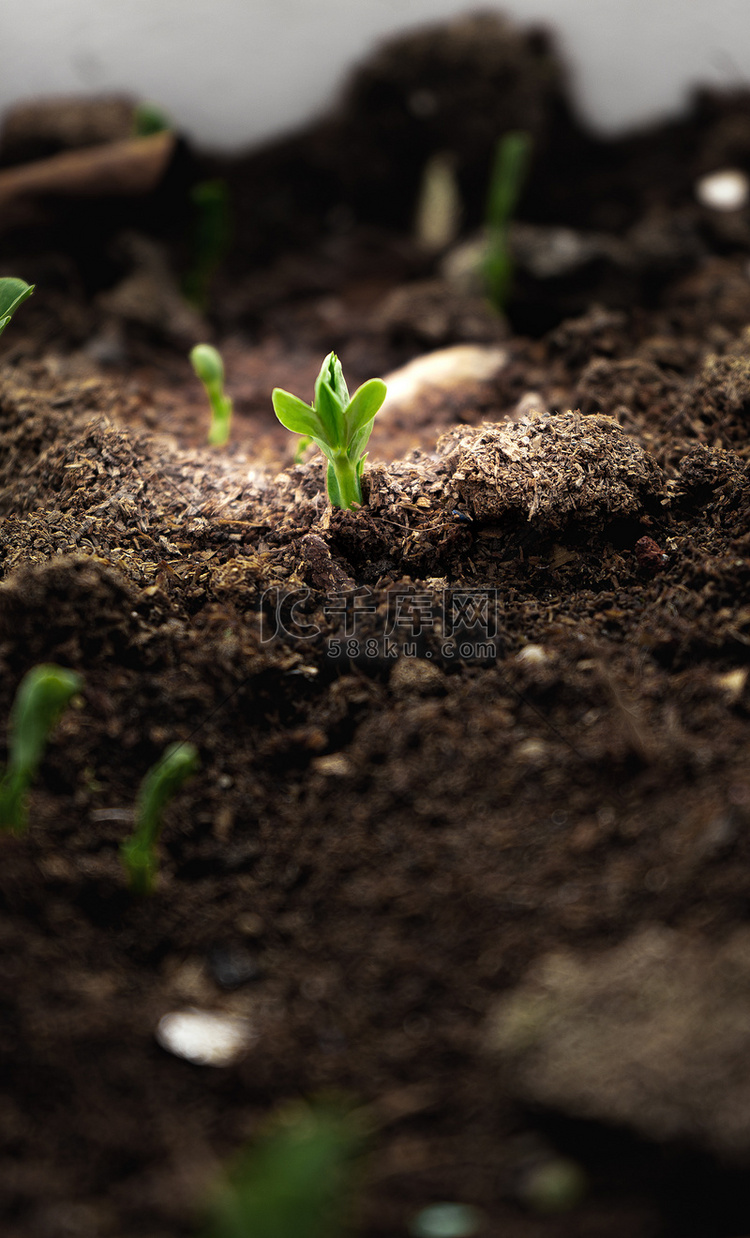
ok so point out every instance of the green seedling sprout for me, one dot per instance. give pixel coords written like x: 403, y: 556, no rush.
x: 210, y: 238
x: 339, y: 425
x: 297, y: 1181
x: 149, y: 118
x: 13, y: 292
x: 302, y: 446
x: 42, y: 695
x: 163, y: 780
x: 209, y: 367
x: 509, y: 170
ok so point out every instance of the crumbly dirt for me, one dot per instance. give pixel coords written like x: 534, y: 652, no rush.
x: 499, y: 712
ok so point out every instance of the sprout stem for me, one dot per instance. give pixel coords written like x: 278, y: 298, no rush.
x: 138, y: 853
x: 346, y: 480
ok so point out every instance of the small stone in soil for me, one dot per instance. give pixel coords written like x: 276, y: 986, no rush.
x: 446, y: 1221
x: 202, y: 1038
x: 232, y: 966
x: 534, y: 655
x: 727, y: 190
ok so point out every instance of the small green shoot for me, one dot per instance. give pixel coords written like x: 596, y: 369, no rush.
x: 509, y: 169
x: 339, y: 425
x: 148, y: 119
x: 302, y: 445
x: 13, y: 292
x: 42, y: 695
x: 209, y: 367
x: 210, y: 238
x: 163, y: 780
x: 297, y: 1181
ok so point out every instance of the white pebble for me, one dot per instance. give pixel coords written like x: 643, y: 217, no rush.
x: 532, y: 750
x: 535, y: 655
x: 728, y: 190
x: 202, y: 1038
x: 444, y: 370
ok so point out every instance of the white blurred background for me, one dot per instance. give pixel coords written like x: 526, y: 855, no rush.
x: 233, y: 73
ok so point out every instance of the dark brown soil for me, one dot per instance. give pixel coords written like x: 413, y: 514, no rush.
x: 398, y: 809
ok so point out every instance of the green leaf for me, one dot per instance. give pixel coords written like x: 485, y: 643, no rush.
x: 325, y: 375
x: 13, y: 292
x: 337, y: 381
x: 294, y: 414
x: 360, y: 440
x: 365, y: 405
x: 298, y: 417
x: 331, y: 414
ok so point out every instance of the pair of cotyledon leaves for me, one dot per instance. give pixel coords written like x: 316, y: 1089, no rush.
x: 339, y: 425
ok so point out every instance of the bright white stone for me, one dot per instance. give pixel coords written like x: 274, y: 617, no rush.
x: 727, y: 190
x: 445, y: 370
x: 202, y: 1038
x: 535, y: 655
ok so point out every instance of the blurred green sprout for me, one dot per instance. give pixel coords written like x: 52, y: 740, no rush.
x: 162, y: 781
x: 509, y: 170
x: 298, y: 1179
x: 557, y: 1185
x: 210, y: 238
x: 149, y: 118
x: 302, y: 445
x: 208, y: 365
x: 338, y: 424
x: 13, y: 292
x: 42, y: 696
